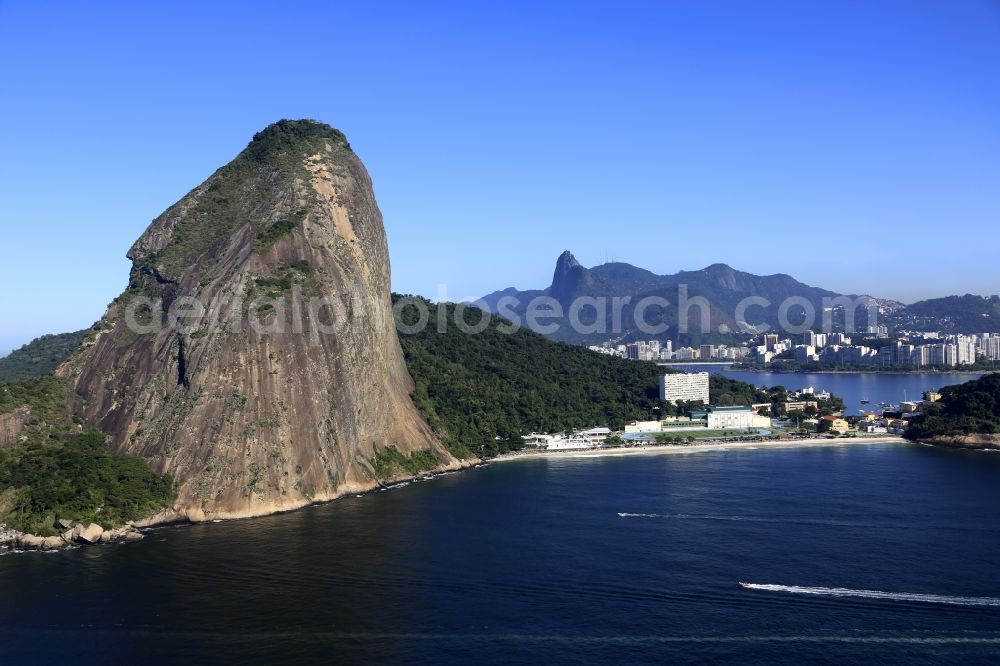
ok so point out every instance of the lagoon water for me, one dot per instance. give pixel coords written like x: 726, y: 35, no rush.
x: 864, y: 553
x: 853, y: 387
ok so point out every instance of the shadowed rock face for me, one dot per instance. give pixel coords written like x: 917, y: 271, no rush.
x: 263, y: 406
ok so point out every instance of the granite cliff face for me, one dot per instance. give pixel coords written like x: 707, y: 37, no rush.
x: 288, y: 384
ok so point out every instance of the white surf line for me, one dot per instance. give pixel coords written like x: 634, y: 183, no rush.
x: 875, y: 594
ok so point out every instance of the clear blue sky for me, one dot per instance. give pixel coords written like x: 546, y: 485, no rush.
x: 854, y: 145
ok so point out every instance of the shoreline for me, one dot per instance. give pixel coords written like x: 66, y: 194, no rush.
x: 14, y: 541
x: 160, y: 520
x: 674, y: 449
x: 777, y: 371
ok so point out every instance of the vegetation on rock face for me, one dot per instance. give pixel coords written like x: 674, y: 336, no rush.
x: 283, y: 279
x: 46, y: 397
x: 390, y: 462
x: 234, y: 193
x: 58, y: 471
x: 40, y: 356
x: 267, y: 237
x: 480, y: 392
x: 964, y: 409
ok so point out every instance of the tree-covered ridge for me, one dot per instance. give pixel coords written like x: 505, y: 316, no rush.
x: 58, y: 470
x: 278, y: 138
x: 964, y: 409
x: 76, y: 477
x: 965, y: 314
x: 481, y: 391
x: 40, y: 356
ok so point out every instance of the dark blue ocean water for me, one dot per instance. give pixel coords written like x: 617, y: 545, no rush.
x: 608, y: 560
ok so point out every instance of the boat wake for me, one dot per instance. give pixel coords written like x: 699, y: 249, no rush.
x: 875, y: 594
x: 748, y: 519
x: 639, y: 515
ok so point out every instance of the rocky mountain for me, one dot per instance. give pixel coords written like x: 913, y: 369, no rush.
x: 281, y: 381
x: 720, y: 285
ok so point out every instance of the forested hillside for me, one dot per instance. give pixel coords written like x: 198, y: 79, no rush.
x: 482, y: 391
x: 964, y: 409
x: 40, y: 356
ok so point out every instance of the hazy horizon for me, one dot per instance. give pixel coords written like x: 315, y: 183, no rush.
x: 851, y: 146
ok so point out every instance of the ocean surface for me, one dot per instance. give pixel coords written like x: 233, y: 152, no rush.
x: 865, y: 553
x: 853, y: 387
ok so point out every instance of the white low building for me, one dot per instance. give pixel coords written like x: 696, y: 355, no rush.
x: 643, y: 426
x: 735, y: 418
x: 578, y: 439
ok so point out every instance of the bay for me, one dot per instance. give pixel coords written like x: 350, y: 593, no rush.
x: 853, y: 387
x: 604, y: 560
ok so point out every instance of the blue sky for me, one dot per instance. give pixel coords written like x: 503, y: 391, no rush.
x: 854, y: 145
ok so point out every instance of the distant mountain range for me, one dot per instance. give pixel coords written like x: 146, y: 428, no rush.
x: 724, y: 289
x: 953, y: 314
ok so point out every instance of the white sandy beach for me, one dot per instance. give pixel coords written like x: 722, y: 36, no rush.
x: 670, y: 449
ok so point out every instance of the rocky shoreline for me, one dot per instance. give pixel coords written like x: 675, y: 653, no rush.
x: 976, y: 442
x: 74, y: 533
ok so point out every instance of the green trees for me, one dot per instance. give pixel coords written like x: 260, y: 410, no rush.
x: 58, y: 471
x: 964, y: 409
x: 475, y: 388
x: 46, y: 397
x: 40, y: 356
x: 76, y: 478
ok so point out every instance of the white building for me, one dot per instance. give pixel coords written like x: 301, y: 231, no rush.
x: 727, y: 418
x: 805, y: 353
x: 578, y: 439
x: 684, y: 386
x: 991, y: 348
x: 643, y: 426
x: 966, y: 350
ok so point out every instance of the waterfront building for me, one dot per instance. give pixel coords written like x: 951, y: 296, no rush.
x: 686, y: 354
x: 643, y: 427
x: 578, y: 439
x: 837, y: 423
x: 965, y: 350
x: 738, y: 417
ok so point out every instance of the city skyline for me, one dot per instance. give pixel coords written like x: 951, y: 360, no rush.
x: 776, y: 138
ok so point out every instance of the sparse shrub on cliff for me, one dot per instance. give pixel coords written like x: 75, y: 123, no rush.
x: 390, y: 462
